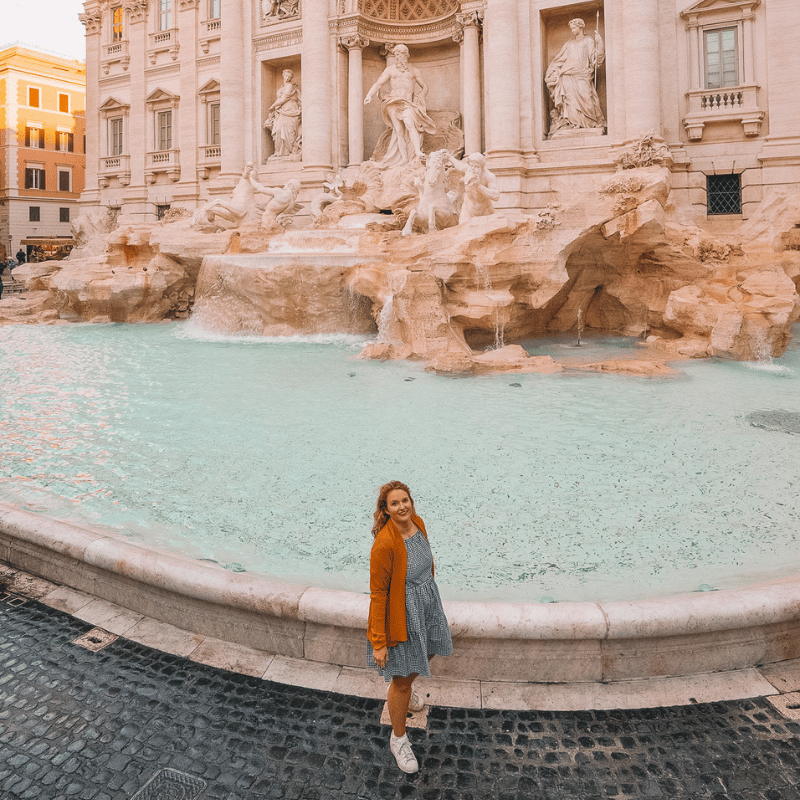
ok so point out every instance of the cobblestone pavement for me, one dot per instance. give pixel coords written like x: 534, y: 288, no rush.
x: 130, y: 723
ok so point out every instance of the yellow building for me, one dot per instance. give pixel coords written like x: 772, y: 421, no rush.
x: 42, y: 150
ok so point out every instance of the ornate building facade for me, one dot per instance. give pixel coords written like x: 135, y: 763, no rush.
x: 182, y: 94
x: 42, y: 102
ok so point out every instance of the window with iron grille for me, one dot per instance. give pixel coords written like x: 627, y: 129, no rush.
x: 63, y: 215
x: 161, y: 211
x: 724, y: 194
x: 33, y: 214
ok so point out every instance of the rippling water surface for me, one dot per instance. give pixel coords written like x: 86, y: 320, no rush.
x: 266, y: 455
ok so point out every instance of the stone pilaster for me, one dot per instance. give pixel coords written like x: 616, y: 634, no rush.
x: 642, y: 59
x: 192, y: 128
x: 92, y: 24
x: 317, y: 90
x: 470, y: 25
x: 502, y: 84
x: 232, y: 63
x: 137, y: 140
x: 355, y: 97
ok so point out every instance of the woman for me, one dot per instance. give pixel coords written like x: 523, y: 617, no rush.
x: 283, y: 119
x: 407, y: 626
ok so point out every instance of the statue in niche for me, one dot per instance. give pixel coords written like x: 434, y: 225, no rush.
x: 480, y: 187
x: 276, y: 10
x: 284, y: 120
x: 230, y: 213
x: 403, y: 107
x: 572, y: 78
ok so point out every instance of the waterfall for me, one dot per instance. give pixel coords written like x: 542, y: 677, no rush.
x: 385, y: 319
x: 760, y: 346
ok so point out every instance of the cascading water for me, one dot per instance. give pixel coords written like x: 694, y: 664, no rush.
x: 385, y: 319
x: 484, y: 282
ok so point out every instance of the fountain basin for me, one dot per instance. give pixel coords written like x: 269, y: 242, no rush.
x: 550, y: 643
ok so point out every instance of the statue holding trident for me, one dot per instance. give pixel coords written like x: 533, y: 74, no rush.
x: 572, y: 78
x: 403, y: 109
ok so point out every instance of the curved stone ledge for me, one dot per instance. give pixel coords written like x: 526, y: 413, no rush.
x: 556, y: 643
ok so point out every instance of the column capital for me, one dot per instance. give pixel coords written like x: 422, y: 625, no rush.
x: 91, y: 22
x: 137, y: 10
x: 353, y: 42
x: 470, y: 19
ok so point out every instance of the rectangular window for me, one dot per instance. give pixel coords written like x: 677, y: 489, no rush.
x: 722, y: 58
x: 116, y: 24
x: 33, y: 214
x: 724, y: 194
x: 34, y: 97
x: 161, y: 211
x: 34, y: 137
x: 63, y: 103
x: 64, y: 180
x: 164, y: 15
x: 164, y: 130
x: 63, y: 215
x: 115, y: 136
x: 213, y: 124
x: 213, y: 9
x: 34, y: 178
x: 65, y: 141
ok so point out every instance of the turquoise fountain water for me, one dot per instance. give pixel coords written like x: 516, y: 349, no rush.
x: 265, y: 455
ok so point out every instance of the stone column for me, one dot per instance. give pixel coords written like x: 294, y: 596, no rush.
x: 355, y: 97
x: 137, y: 137
x: 501, y: 57
x: 317, y: 89
x: 470, y: 78
x: 232, y: 61
x: 91, y: 21
x: 642, y: 60
x: 191, y: 130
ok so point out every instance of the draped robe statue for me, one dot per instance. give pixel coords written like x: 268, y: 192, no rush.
x: 571, y: 81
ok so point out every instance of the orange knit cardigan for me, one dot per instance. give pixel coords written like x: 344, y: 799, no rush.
x: 387, y: 586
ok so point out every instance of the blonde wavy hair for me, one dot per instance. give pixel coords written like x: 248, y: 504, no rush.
x: 381, y: 515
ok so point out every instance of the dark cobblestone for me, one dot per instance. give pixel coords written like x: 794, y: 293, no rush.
x: 98, y: 726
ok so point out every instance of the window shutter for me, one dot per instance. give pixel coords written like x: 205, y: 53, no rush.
x: 27, y: 137
x: 28, y: 178
x: 41, y: 139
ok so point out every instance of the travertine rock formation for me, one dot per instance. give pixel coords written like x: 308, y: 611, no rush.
x: 613, y: 256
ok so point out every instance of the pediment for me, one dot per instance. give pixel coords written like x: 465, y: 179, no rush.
x: 161, y: 96
x: 112, y: 104
x: 210, y: 87
x: 709, y: 6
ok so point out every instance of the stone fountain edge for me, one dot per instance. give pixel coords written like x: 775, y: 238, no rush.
x: 551, y: 643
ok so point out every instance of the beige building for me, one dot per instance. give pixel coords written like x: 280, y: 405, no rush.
x: 42, y: 150
x: 181, y: 93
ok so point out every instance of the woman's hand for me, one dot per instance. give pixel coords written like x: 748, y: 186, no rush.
x: 381, y: 656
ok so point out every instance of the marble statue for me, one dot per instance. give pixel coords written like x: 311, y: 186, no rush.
x: 282, y: 202
x: 284, y: 120
x: 274, y: 10
x: 480, y: 187
x: 436, y: 208
x: 403, y: 108
x: 222, y: 214
x: 571, y: 79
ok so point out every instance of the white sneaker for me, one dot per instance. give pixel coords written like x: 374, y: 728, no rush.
x: 401, y: 750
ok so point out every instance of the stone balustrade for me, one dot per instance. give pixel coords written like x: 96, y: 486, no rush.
x: 730, y: 104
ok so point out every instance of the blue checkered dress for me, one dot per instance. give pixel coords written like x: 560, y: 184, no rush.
x: 426, y: 624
